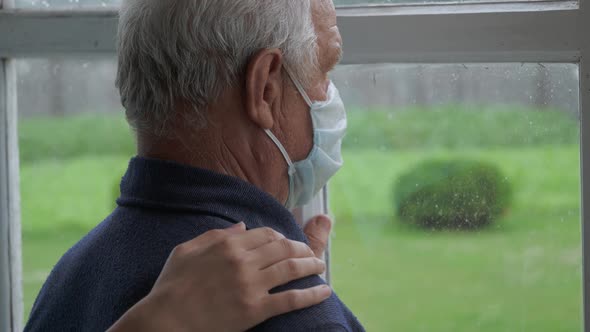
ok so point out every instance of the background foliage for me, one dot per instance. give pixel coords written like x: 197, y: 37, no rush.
x: 453, y: 194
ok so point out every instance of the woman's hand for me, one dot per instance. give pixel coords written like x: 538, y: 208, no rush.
x: 220, y: 281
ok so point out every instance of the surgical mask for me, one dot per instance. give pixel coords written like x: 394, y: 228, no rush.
x: 309, y: 176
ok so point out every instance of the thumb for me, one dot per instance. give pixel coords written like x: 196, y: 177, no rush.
x: 318, y: 232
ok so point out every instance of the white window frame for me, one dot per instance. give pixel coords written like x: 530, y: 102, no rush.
x: 11, y: 296
x: 520, y: 31
x: 585, y: 146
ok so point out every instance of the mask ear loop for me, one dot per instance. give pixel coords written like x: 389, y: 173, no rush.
x: 282, y: 149
x: 298, y: 86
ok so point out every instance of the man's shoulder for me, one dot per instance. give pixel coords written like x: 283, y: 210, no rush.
x: 130, y: 241
x: 133, y: 243
x: 113, y: 267
x: 332, y: 315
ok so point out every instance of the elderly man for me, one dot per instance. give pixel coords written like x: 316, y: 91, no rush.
x: 236, y: 120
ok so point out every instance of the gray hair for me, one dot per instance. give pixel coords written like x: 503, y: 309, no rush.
x: 192, y: 50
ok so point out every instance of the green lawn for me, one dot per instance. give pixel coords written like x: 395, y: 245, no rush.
x: 523, y: 274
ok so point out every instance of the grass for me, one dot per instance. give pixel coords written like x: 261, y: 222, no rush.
x: 73, y: 193
x: 457, y: 126
x: 521, y: 274
x: 43, y: 138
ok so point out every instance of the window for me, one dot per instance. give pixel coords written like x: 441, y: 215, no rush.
x: 524, y: 268
x: 504, y: 82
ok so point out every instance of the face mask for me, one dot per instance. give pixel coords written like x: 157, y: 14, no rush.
x: 309, y: 176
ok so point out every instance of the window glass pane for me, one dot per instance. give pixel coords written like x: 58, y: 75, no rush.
x: 74, y: 148
x: 77, y: 4
x: 66, y: 4
x: 458, y: 208
x: 356, y: 3
x: 523, y: 270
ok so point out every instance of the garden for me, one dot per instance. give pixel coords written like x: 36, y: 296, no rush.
x: 521, y: 271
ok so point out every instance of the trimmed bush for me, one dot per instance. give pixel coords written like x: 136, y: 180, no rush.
x: 455, y: 195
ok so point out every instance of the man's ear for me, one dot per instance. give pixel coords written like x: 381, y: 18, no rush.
x: 263, y: 86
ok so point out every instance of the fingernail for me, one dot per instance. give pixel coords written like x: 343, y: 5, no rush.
x: 324, y: 223
x: 326, y: 290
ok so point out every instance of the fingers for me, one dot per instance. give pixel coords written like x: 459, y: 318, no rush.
x: 210, y: 238
x: 318, y: 233
x: 292, y: 269
x: 274, y: 252
x: 236, y: 228
x: 217, y: 235
x: 256, y: 238
x: 281, y: 303
x: 235, y: 238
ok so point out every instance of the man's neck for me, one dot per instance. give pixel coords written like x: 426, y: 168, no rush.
x: 211, y: 152
x: 212, y: 156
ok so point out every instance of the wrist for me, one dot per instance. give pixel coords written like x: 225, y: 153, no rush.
x: 146, y: 316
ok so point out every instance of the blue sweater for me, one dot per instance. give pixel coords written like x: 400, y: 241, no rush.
x: 163, y: 204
